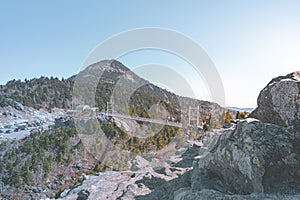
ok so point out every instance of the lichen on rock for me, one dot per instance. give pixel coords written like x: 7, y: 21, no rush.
x: 279, y: 102
x: 260, y: 158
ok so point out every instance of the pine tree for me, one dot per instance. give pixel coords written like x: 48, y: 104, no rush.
x: 159, y: 142
x: 227, y: 118
x: 238, y: 115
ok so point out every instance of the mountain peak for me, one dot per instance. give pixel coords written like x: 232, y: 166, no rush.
x: 109, y: 66
x: 103, y: 66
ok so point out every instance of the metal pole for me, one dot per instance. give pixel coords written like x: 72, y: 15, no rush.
x: 198, y: 116
x: 189, y: 115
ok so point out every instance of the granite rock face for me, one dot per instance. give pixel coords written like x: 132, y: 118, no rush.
x: 257, y: 159
x: 260, y: 158
x: 142, y: 182
x: 279, y: 102
x: 206, y: 194
x: 254, y: 158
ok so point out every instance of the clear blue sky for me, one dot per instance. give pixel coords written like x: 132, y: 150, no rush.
x: 249, y: 41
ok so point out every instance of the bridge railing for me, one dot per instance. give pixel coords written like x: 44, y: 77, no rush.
x: 151, y: 120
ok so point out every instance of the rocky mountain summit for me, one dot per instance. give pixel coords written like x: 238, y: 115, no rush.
x: 256, y: 159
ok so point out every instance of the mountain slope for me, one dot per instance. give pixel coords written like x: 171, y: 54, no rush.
x: 59, y: 156
x: 132, y: 94
x: 39, y: 93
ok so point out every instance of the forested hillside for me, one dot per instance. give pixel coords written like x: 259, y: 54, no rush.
x: 55, y: 159
x: 40, y: 92
x: 52, y: 92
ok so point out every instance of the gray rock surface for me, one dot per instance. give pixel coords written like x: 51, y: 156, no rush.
x: 254, y: 161
x: 254, y: 158
x: 15, y: 104
x: 279, y: 102
x: 258, y: 159
x: 142, y: 182
x: 109, y: 185
x: 206, y: 194
x: 138, y: 163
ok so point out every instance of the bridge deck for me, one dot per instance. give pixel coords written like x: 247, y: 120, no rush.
x: 156, y: 121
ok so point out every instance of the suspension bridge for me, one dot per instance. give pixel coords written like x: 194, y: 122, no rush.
x: 193, y: 116
x: 142, y: 119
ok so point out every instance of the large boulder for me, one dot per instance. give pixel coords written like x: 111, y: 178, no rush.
x: 279, y: 102
x: 255, y: 158
x: 206, y: 194
x: 260, y: 158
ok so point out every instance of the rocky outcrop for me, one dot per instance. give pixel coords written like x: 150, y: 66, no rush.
x: 142, y: 182
x: 138, y: 163
x: 260, y: 158
x: 253, y: 161
x: 15, y: 104
x: 255, y: 158
x: 206, y: 194
x: 279, y: 102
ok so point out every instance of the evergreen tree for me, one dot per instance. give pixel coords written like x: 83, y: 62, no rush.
x: 227, y: 117
x: 238, y: 115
